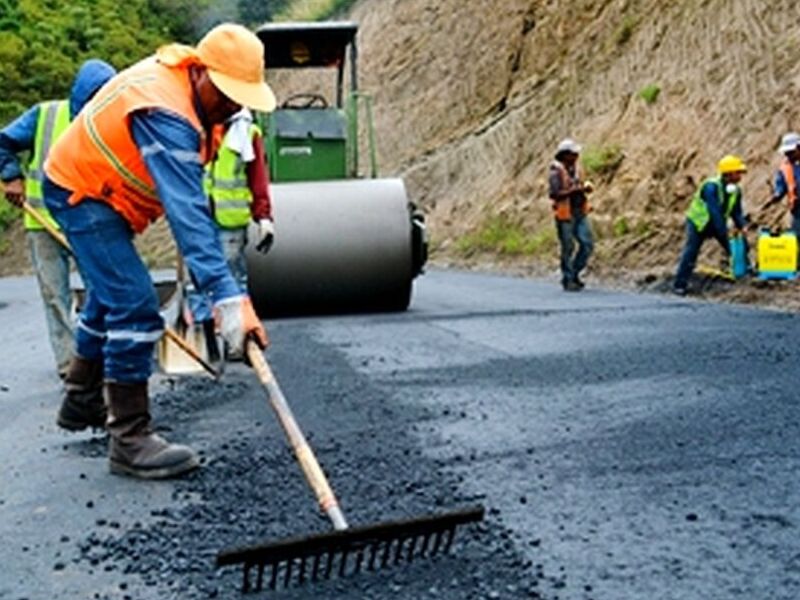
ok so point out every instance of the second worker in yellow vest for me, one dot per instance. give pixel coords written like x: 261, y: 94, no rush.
x: 237, y: 186
x: 35, y: 131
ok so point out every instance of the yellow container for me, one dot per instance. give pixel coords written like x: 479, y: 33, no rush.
x: 777, y: 255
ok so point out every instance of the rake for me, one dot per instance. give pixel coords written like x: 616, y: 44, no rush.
x: 345, y: 550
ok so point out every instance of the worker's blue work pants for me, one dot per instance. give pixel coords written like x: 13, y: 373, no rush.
x: 233, y: 243
x: 119, y: 321
x: 50, y: 261
x: 573, y: 263
x: 694, y: 241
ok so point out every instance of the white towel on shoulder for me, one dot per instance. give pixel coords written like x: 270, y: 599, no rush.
x: 238, y: 137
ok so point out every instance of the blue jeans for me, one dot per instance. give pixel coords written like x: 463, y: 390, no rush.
x: 50, y: 261
x: 578, y: 229
x: 119, y: 321
x: 694, y: 241
x: 234, y: 242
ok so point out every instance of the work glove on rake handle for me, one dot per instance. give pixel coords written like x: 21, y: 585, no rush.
x: 237, y: 322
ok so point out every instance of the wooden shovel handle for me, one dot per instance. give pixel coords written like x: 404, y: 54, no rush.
x: 37, y: 216
x: 305, y: 456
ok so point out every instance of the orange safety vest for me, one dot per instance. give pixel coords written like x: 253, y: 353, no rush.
x: 97, y: 156
x: 562, y: 209
x: 787, y: 168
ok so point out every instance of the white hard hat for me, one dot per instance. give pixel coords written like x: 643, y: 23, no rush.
x: 789, y: 142
x: 568, y: 145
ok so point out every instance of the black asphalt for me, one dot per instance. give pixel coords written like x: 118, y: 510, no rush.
x: 626, y: 446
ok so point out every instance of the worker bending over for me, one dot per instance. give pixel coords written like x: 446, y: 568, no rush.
x: 716, y: 200
x: 35, y: 132
x: 137, y: 151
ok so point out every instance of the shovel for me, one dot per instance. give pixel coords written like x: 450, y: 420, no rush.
x: 168, y: 333
x: 315, y: 556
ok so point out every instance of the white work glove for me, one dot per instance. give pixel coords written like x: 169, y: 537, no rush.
x: 237, y: 321
x: 266, y: 235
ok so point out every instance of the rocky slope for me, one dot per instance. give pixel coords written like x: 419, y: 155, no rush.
x: 472, y: 96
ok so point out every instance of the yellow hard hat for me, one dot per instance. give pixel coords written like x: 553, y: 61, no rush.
x: 731, y: 164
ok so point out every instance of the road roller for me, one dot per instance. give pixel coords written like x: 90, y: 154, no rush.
x: 346, y: 239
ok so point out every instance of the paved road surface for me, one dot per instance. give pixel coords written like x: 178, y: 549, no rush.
x: 627, y: 447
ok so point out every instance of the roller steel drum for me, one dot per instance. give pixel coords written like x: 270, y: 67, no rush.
x: 340, y: 246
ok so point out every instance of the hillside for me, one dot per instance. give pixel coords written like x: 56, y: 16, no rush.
x: 471, y: 99
x: 469, y: 109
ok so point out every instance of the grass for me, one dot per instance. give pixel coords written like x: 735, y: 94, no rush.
x: 8, y: 214
x: 500, y: 235
x: 649, y: 93
x: 312, y: 10
x: 620, y: 227
x: 602, y: 160
x: 625, y: 31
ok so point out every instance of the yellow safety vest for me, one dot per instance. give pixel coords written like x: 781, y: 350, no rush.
x: 226, y: 186
x: 698, y: 211
x: 52, y: 122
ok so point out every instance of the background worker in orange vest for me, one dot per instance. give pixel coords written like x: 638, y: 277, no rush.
x: 570, y: 207
x: 34, y: 132
x: 137, y: 151
x: 787, y: 177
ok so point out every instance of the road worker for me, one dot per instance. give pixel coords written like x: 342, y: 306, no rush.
x: 715, y: 201
x: 568, y: 194
x: 137, y: 151
x: 237, y: 184
x: 34, y: 132
x: 787, y: 177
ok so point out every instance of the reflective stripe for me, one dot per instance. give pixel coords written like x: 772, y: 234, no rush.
x: 52, y: 121
x: 230, y: 184
x: 135, y: 336
x: 184, y: 156
x: 232, y: 205
x: 90, y: 331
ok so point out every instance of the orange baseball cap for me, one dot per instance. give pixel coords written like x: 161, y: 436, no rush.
x: 234, y: 57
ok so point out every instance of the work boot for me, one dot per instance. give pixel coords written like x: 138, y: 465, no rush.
x: 579, y: 283
x: 83, y: 405
x: 570, y: 286
x: 133, y: 448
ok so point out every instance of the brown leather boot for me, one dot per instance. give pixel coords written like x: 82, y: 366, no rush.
x: 83, y: 404
x: 134, y: 449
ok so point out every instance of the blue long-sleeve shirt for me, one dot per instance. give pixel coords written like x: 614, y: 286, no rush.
x: 15, y: 138
x: 169, y: 146
x: 20, y: 135
x: 781, y: 187
x: 718, y: 223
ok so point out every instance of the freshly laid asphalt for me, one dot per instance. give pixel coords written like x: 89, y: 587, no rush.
x: 626, y: 447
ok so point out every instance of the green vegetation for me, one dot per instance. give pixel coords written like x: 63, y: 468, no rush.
x: 649, y: 93
x: 8, y: 214
x: 42, y: 44
x: 312, y: 10
x: 620, y: 227
x: 500, y: 235
x: 602, y: 160
x: 625, y: 31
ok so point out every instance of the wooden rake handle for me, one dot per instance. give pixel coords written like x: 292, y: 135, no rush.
x: 305, y: 456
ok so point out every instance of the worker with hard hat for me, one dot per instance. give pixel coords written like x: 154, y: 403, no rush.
x: 568, y: 195
x: 787, y: 177
x: 35, y: 132
x: 715, y: 201
x: 237, y: 184
x: 137, y: 151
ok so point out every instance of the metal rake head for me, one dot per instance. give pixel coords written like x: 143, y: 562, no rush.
x: 339, y: 553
